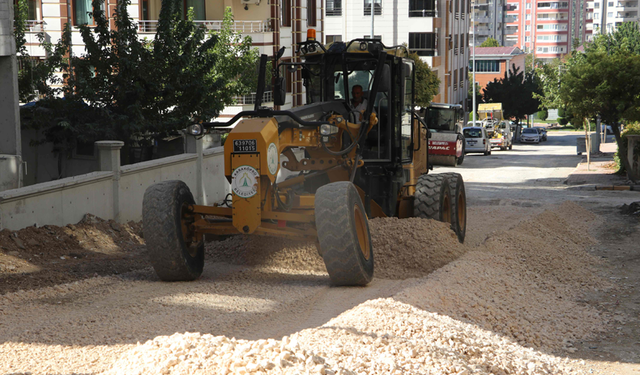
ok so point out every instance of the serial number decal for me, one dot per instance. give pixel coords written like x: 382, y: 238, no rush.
x: 245, y: 145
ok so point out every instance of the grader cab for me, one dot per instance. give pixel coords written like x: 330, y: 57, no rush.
x: 347, y: 166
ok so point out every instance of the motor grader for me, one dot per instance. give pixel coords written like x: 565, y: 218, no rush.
x: 348, y: 166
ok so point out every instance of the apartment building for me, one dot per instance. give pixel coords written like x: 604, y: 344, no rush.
x: 549, y: 29
x: 270, y: 23
x: 437, y: 30
x: 604, y: 16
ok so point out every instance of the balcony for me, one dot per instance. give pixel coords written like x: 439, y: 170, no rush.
x: 242, y: 27
x: 510, y: 19
x: 35, y: 26
x: 482, y: 19
x: 482, y: 31
x: 424, y: 9
x: 510, y: 30
x: 267, y: 97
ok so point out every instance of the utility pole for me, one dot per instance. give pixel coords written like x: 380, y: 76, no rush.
x: 372, y: 14
x: 473, y: 59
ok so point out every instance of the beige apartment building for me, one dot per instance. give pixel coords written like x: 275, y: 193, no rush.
x: 271, y: 24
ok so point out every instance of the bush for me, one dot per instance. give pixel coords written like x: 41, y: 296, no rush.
x: 543, y: 114
x: 577, y: 123
x: 563, y: 121
x: 633, y: 128
x: 561, y: 113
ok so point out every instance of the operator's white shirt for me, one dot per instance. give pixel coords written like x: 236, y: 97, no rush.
x: 360, y: 107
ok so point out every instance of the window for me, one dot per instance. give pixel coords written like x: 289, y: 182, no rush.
x: 31, y: 9
x: 455, y: 45
x: 461, y: 75
x: 596, y: 25
x: 527, y: 38
x: 424, y: 44
x: 487, y: 66
x: 422, y: 8
x: 610, y: 3
x: 596, y: 15
x: 311, y: 12
x: 527, y: 16
x: 596, y: 5
x: 610, y: 14
x: 285, y: 7
x: 377, y: 5
x: 455, y: 79
x: 334, y: 38
x: 377, y: 37
x: 334, y: 7
x: 528, y: 6
x: 81, y: 12
x: 527, y: 27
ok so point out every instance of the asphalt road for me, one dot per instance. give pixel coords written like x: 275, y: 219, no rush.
x: 530, y: 173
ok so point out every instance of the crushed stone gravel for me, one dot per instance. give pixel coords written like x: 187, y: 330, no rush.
x: 500, y: 308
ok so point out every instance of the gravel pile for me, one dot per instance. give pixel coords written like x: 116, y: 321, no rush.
x: 382, y: 336
x: 495, y: 310
x: 403, y: 248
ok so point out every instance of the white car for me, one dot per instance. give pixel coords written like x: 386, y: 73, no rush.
x: 476, y: 140
x: 530, y: 135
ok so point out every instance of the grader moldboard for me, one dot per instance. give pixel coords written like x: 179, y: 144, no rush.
x: 355, y: 166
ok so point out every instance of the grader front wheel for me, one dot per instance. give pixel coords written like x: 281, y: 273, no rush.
x: 458, y: 205
x: 433, y: 198
x: 173, y: 254
x: 343, y: 234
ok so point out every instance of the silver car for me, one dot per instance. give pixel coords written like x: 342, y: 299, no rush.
x: 530, y: 135
x: 476, y: 140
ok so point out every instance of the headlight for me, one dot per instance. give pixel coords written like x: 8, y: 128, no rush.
x: 326, y: 129
x: 194, y: 129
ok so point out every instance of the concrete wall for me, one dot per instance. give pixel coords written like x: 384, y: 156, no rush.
x: 113, y: 194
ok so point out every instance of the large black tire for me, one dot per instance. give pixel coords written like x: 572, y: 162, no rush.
x: 343, y: 234
x: 433, y: 198
x: 173, y: 257
x: 458, y: 205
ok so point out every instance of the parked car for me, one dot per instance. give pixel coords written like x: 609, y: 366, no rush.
x: 543, y: 132
x: 476, y: 140
x: 530, y: 135
x: 606, y: 128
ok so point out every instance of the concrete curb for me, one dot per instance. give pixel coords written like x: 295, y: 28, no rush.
x: 593, y: 187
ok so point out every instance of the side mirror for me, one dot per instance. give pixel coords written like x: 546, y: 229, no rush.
x: 279, y: 91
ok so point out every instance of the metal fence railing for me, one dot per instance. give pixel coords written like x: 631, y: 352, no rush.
x: 251, y: 98
x: 242, y: 27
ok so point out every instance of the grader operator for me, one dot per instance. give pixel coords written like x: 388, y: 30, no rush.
x: 356, y: 166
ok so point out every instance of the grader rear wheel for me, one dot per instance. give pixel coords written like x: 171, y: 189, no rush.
x: 458, y: 205
x: 173, y: 254
x: 343, y: 234
x: 433, y: 198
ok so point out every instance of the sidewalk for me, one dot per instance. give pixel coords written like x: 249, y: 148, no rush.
x: 600, y: 174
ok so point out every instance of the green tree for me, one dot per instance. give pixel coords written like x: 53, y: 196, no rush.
x: 427, y: 81
x: 605, y: 83
x: 515, y: 91
x: 549, y: 76
x: 470, y: 94
x: 490, y: 42
x: 531, y: 63
x: 36, y: 77
x: 131, y: 90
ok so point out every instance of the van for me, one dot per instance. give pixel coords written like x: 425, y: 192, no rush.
x: 476, y: 140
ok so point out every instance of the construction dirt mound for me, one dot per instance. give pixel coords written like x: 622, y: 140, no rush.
x: 403, y: 249
x: 35, y: 256
x: 498, y: 309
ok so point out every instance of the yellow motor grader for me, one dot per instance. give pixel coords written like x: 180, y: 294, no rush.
x: 348, y: 166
